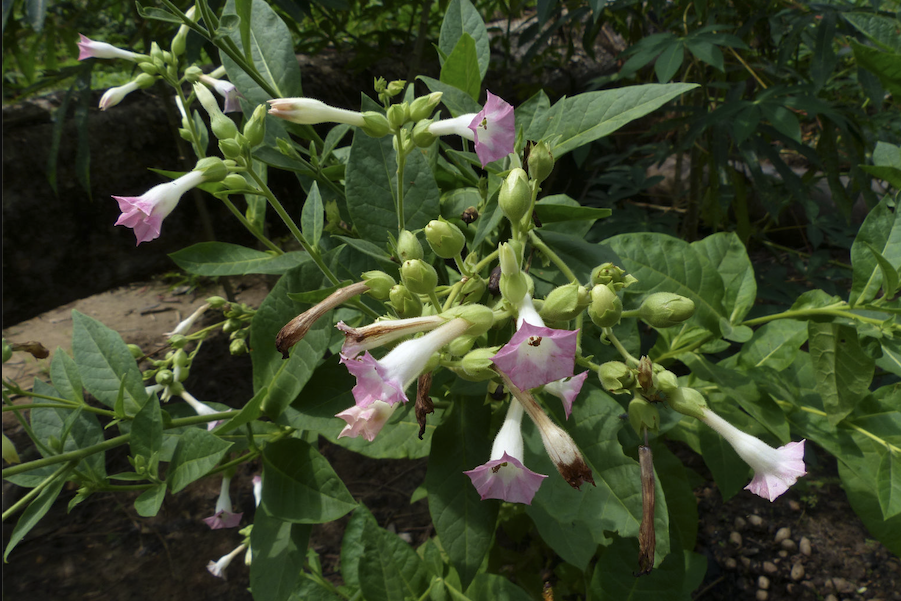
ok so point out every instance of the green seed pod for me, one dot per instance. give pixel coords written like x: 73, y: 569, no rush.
x: 565, y: 302
x: 541, y: 162
x: 380, y: 284
x: 616, y: 377
x: 445, y: 238
x: 515, y: 197
x: 418, y: 276
x: 405, y: 303
x: 237, y: 347
x: 477, y: 366
x: 687, y: 401
x: 665, y: 309
x: 408, y: 246
x: 234, y: 181
x: 606, y: 308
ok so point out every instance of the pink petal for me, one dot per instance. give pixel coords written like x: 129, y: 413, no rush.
x: 373, y: 382
x: 495, y: 130
x: 567, y: 390
x: 84, y: 47
x: 776, y: 479
x: 366, y: 422
x: 223, y: 519
x: 506, y: 479
x: 537, y: 355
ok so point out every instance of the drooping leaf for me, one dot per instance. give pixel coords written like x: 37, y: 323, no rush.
x: 461, y: 69
x: 279, y: 549
x: 221, y: 258
x: 34, y: 512
x: 389, y: 568
x: 196, y: 453
x: 843, y: 370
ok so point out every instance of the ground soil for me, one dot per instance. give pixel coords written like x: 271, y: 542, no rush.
x: 102, y: 550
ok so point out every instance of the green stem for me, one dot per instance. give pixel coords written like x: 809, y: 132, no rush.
x: 454, y: 292
x: 806, y: 313
x: 34, y: 492
x: 433, y: 298
x: 546, y: 251
x: 123, y: 487
x: 401, y: 163
x: 804, y: 254
x: 250, y: 227
x: 60, y: 406
x: 630, y: 360
x: 485, y: 262
x: 892, y: 448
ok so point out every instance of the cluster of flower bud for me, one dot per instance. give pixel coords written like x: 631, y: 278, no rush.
x: 665, y: 309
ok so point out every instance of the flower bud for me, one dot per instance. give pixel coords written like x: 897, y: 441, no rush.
x: 565, y: 303
x: 376, y: 124
x: 461, y: 345
x: 477, y: 366
x: 396, y: 87
x: 665, y: 309
x: 231, y: 325
x: 380, y: 284
x: 643, y: 414
x: 616, y: 377
x: 405, y: 303
x: 408, y: 247
x: 508, y: 258
x: 164, y: 377
x: 515, y: 197
x: 605, y: 308
x: 418, y: 276
x: 665, y: 382
x: 473, y: 290
x: 222, y: 126
x: 397, y: 115
x: 230, y: 148
x: 422, y: 137
x: 144, y: 80
x: 541, y: 162
x: 612, y: 276
x: 148, y: 68
x: 514, y: 287
x: 424, y: 106
x: 480, y: 317
x: 178, y: 341
x: 193, y: 73
x: 156, y: 53
x: 237, y: 347
x: 445, y: 238
x: 213, y: 169
x: 688, y: 401
x: 255, y: 128
x: 179, y: 42
x: 134, y: 349
x: 180, y: 359
x: 233, y: 181
x: 216, y: 302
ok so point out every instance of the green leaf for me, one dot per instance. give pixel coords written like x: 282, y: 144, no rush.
x: 300, y: 486
x: 389, y: 568
x: 65, y: 376
x: 880, y: 29
x: 353, y: 545
x: 104, y: 362
x: 549, y: 211
x: 706, y: 52
x: 580, y: 256
x: 745, y: 122
x: 782, y: 119
x: 149, y: 502
x: 279, y: 550
x: 249, y: 413
x: 726, y: 253
x: 889, y: 273
x: 613, y: 575
x: 888, y: 483
x: 866, y: 505
x: 669, y: 61
x: 843, y: 370
x: 666, y: 264
x: 464, y: 523
x: 272, y: 50
x: 221, y: 258
x: 34, y: 512
x: 592, y: 115
x: 775, y: 345
x: 461, y: 69
x: 890, y: 360
x: 462, y: 17
x: 496, y: 588
x: 147, y: 430
x: 311, y: 219
x: 881, y: 230
x: 79, y: 428
x: 157, y: 14
x: 369, y: 249
x: 884, y: 65
x: 196, y: 453
x: 457, y: 101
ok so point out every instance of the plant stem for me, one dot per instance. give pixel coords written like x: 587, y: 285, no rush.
x: 87, y: 408
x: 250, y: 227
x: 34, y: 492
x: 399, y: 206
x: 550, y: 254
x: 632, y: 361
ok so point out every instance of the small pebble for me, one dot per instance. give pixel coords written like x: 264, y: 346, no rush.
x: 762, y: 596
x: 791, y: 588
x: 755, y: 520
x: 804, y: 546
x: 769, y: 567
x: 789, y: 545
x: 843, y: 586
x: 735, y: 539
x: 746, y: 562
x: 794, y: 505
x: 831, y: 597
x: 783, y: 553
x: 740, y: 523
x: 809, y: 584
x: 763, y: 582
x: 782, y: 534
x: 797, y: 572
x: 730, y: 563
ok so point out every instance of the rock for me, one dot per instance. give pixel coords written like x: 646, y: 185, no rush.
x: 763, y: 582
x: 735, y: 539
x: 804, y: 546
x: 843, y: 586
x: 783, y: 553
x: 740, y: 523
x: 794, y: 505
x: 746, y: 562
x: 797, y: 572
x: 762, y: 596
x: 730, y: 563
x: 831, y: 597
x: 782, y: 534
x: 755, y: 520
x: 789, y: 545
x: 769, y: 567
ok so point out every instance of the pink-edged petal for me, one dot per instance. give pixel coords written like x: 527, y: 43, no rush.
x: 776, y: 478
x: 494, y: 129
x: 567, y: 390
x: 506, y: 479
x: 373, y: 382
x: 223, y: 519
x: 537, y: 355
x: 366, y: 422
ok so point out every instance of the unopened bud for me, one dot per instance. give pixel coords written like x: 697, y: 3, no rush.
x: 445, y: 238
x: 480, y: 317
x: 688, y: 401
x: 565, y: 303
x: 134, y: 349
x: 606, y: 307
x: 216, y: 302
x: 397, y: 115
x: 376, y: 124
x: 515, y: 197
x: 144, y: 80
x: 396, y: 87
x: 643, y: 414
x: 230, y: 148
x: 405, y: 303
x: 380, y: 284
x: 213, y: 169
x: 180, y: 359
x: 179, y: 42
x: 233, y: 181
x: 665, y: 382
x: 422, y: 137
x: 461, y: 345
x: 223, y: 127
x: 408, y: 247
x: 473, y: 290
x: 193, y: 73
x: 418, y: 276
x: 508, y: 259
x: 148, y: 68
x: 164, y: 377
x: 477, y: 365
x: 255, y: 128
x: 424, y: 106
x: 612, y: 276
x: 665, y: 309
x: 237, y: 347
x: 178, y: 341
x: 616, y: 377
x: 541, y: 162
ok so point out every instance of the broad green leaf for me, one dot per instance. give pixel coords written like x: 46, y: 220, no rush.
x: 865, y: 503
x: 884, y: 65
x: 496, y: 588
x: 706, y: 52
x: 889, y: 273
x: 422, y: 198
x: 368, y: 249
x: 221, y: 258
x: 104, y: 361
x: 886, y: 163
x: 457, y: 101
x: 890, y: 360
x: 353, y: 545
x: 882, y: 231
x: 775, y: 345
x: 669, y: 61
x: 279, y: 550
x: 726, y: 253
x: 311, y: 218
x: 843, y: 370
x: 65, y: 376
x: 680, y: 499
x: 880, y: 29
x: 461, y: 69
x: 149, y: 502
x: 272, y: 50
x: 592, y: 115
x: 147, y: 430
x: 549, y: 211
x: 34, y: 512
x: 666, y: 264
x: 459, y: 18
x: 389, y: 568
x: 196, y: 453
x: 614, y: 575
x: 300, y: 486
x: 889, y: 484
x: 248, y: 414
x: 80, y: 429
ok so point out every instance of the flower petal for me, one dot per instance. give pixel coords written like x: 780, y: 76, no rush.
x: 494, y: 129
x: 537, y: 355
x: 506, y: 479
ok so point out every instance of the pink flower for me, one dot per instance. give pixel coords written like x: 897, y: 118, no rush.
x: 145, y: 213
x: 217, y: 568
x: 567, y: 390
x: 225, y: 89
x: 366, y: 421
x: 357, y: 340
x: 494, y: 130
x: 387, y: 379
x: 504, y: 476
x: 537, y: 355
x: 88, y: 48
x: 775, y: 470
x: 114, y: 96
x: 308, y: 111
x: 224, y: 517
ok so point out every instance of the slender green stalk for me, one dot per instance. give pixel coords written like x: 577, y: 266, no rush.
x: 632, y: 361
x: 71, y: 406
x: 250, y: 227
x: 550, y: 254
x: 485, y: 262
x: 892, y: 448
x: 399, y: 206
x: 34, y: 492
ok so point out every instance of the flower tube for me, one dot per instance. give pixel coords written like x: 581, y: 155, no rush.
x: 88, y: 48
x: 144, y: 214
x: 358, y: 340
x: 200, y: 408
x: 366, y: 421
x: 226, y: 89
x: 504, y: 476
x: 224, y: 517
x: 217, y: 568
x: 308, y: 111
x: 492, y: 129
x: 185, y: 325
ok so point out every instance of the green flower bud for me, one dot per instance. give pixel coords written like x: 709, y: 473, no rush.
x: 665, y: 381
x: 144, y: 80
x: 422, y: 137
x: 461, y: 345
x: 379, y: 85
x: 177, y: 341
x: 477, y: 366
x: 405, y: 303
x: 237, y: 347
x: 616, y: 377
x: 180, y: 358
x: 233, y: 181
x: 473, y: 290
x: 445, y: 238
x: 213, y: 168
x: 164, y: 377
x: 230, y: 148
x: 193, y: 73
x: 377, y: 125
x: 135, y: 351
x: 480, y: 316
x: 418, y: 276
x: 665, y: 309
x: 514, y: 287
x: 9, y: 451
x: 565, y: 302
x: 515, y: 197
x: 643, y: 414
x: 688, y: 401
x: 396, y: 87
x: 217, y: 302
x: 380, y: 284
x: 255, y: 128
x: 611, y: 275
x: 167, y: 56
x: 605, y: 308
x: 222, y: 126
x: 231, y: 325
x: 408, y: 247
x: 541, y: 162
x: 424, y: 106
x: 156, y: 52
x: 179, y: 42
x: 148, y: 68
x: 398, y: 114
